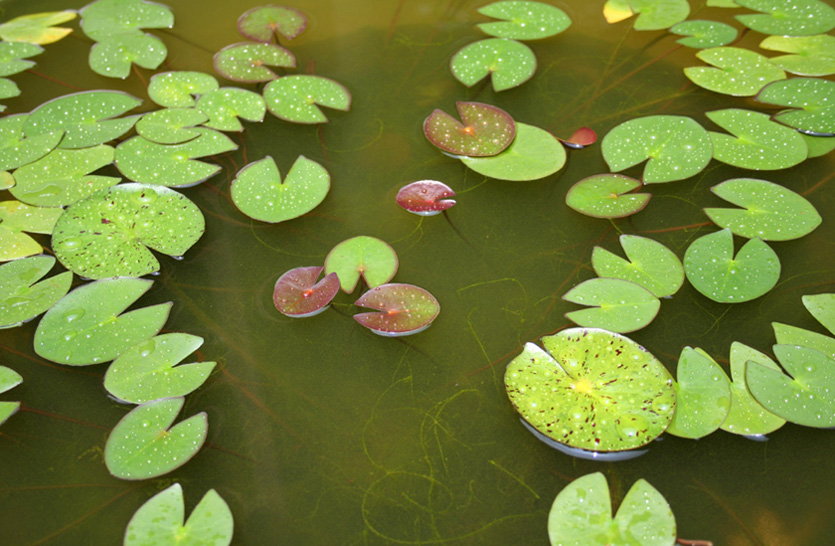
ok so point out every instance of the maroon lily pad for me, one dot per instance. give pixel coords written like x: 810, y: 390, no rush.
x: 425, y: 197
x: 405, y: 309
x: 264, y: 22
x: 582, y: 137
x: 486, y: 130
x: 298, y: 295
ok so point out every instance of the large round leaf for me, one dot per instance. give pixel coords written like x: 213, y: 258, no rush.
x: 403, y: 309
x: 812, y: 101
x: 606, y: 196
x: 248, y: 62
x: 294, y: 98
x: 747, y: 417
x: 758, y: 143
x: 616, y: 305
x: 650, y: 264
x: 484, y: 130
x: 788, y: 17
x: 508, y: 63
x: 265, y: 22
x: 364, y: 256
x: 22, y: 297
x: 532, y: 155
x: 703, y: 395
x: 739, y: 72
x: 523, y: 20
x: 807, y: 55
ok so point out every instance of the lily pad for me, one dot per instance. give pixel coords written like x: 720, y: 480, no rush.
x: 112, y: 232
x: 807, y: 55
x: 615, y: 305
x: 757, y: 142
x: 295, y: 98
x: 259, y: 192
x: 739, y: 72
x: 704, y: 34
x: 298, y: 295
x: 650, y: 264
x: 677, y: 147
x: 822, y: 307
x: 818, y: 146
x: 170, y: 125
x: 770, y: 211
x: 792, y: 335
x: 248, y: 62
x: 523, y: 20
x: 87, y: 325
x: 788, y: 17
x: 114, y: 56
x: 582, y: 137
x: 224, y: 106
x: 144, y: 445
x: 8, y: 89
x: 703, y: 395
x: 713, y: 270
x: 37, y: 28
x: 6, y: 180
x: 486, y: 130
x: 159, y: 522
x: 262, y: 23
x: 811, y: 100
x: 177, y: 89
x: 652, y: 14
x: 364, y: 256
x: 596, y: 390
x: 508, y: 63
x: 22, y: 297
x: 105, y: 18
x: 149, y: 371
x: 17, y: 218
x: 606, y: 196
x: 722, y: 4
x: 747, y: 417
x: 12, y: 55
x: 425, y: 197
x: 404, y: 309
x: 534, y: 153
x: 9, y: 379
x: 16, y: 150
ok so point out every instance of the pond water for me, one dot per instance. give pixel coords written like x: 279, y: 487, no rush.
x: 321, y: 432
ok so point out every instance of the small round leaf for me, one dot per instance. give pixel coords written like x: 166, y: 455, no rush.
x: 176, y: 89
x: 606, y: 196
x: 294, y: 98
x: 534, y: 153
x: 404, y: 309
x: 298, y: 295
x: 704, y: 34
x: 616, y: 305
x: 364, y: 256
x: 264, y: 22
x: 812, y: 102
x: 523, y: 20
x: 425, y: 197
x: 248, y: 62
x: 508, y: 63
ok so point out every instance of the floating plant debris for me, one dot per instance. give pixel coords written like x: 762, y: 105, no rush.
x: 703, y: 395
x: 263, y: 23
x: 523, y: 20
x: 746, y: 416
x: 22, y: 297
x: 249, y: 62
x: 37, y: 28
x: 650, y: 264
x: 606, y: 196
x: 372, y: 259
x: 582, y: 137
x: 295, y: 98
x: 508, y: 63
x: 534, y: 153
x: 404, y: 309
x: 616, y: 305
x: 425, y: 197
x: 297, y: 293
x: 484, y: 130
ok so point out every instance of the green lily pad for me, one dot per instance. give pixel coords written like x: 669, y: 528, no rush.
x: 8, y: 380
x: 16, y: 150
x: 262, y: 23
x: 770, y: 211
x: 62, y: 177
x: 87, y: 118
x: 808, y: 55
x: 758, y: 143
x: 508, y: 63
x: 703, y: 395
x: 144, y: 445
x: 148, y: 370
x: 818, y: 146
x: 652, y: 14
x: 37, y: 28
x: 523, y: 20
x: 112, y: 232
x: 792, y: 335
x: 722, y: 4
x: 6, y: 180
x: 364, y: 256
x: 171, y: 125
x: 747, y: 417
x: 248, y: 62
x: 176, y: 89
x: 788, y: 17
x: 12, y: 55
x: 650, y: 264
x: 534, y: 153
x: 484, y: 130
x: 606, y: 196
x: 114, y: 56
x: 259, y: 192
x: 402, y: 309
x: 105, y: 18
x: 17, y: 218
x: 713, y: 270
x: 8, y: 89
x: 811, y: 99
x: 295, y: 98
x: 172, y: 165
x: 596, y: 390
x: 582, y: 516
x: 822, y: 307
x: 616, y: 305
x: 159, y: 522
x: 224, y: 107
x: 677, y: 147
x: 87, y: 325
x: 22, y: 297
x: 739, y: 72
x: 704, y: 34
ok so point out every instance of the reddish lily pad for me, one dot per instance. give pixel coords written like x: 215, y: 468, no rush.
x: 298, y: 295
x: 486, y: 130
x: 264, y: 22
x: 582, y: 137
x: 248, y: 62
x: 425, y: 197
x: 405, y: 309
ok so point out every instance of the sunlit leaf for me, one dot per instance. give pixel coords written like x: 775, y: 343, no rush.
x: 12, y: 55
x: 8, y: 380
x: 37, y: 28
x: 812, y: 101
x: 8, y: 89
x: 425, y: 197
x: 818, y: 146
x: 105, y: 18
x: 788, y: 17
x: 248, y: 62
x: 606, y: 196
x: 295, y: 98
x: 22, y: 297
x: 297, y: 293
x: 508, y: 63
x: 484, y: 130
x: 792, y: 335
x: 808, y: 55
x: 747, y: 417
x: 534, y: 153
x: 739, y: 72
x: 650, y: 264
x: 17, y: 218
x: 402, y: 309
x: 176, y: 89
x: 615, y: 305
x: 703, y: 395
x: 224, y: 106
x: 704, y: 34
x: 6, y: 180
x: 615, y: 11
x: 171, y: 125
x: 652, y: 14
x: 16, y: 150
x: 523, y: 20
x: 757, y: 142
x: 264, y: 22
x: 114, y: 56
x: 364, y: 256
x: 822, y: 307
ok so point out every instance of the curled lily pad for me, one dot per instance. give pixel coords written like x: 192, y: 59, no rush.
x: 114, y: 56
x: 177, y: 89
x: 264, y: 22
x: 144, y: 445
x: 248, y: 62
x: 788, y: 17
x: 295, y: 98
x: 105, y: 18
x: 822, y: 307
x: 593, y: 389
x: 16, y: 150
x: 757, y: 142
x: 402, y: 309
x: 12, y: 55
x: 703, y: 395
x: 523, y: 20
x: 747, y: 417
x: 738, y: 72
x: 425, y: 197
x: 170, y: 125
x: 811, y: 100
x: 615, y: 305
x: 652, y: 14
x: 484, y: 130
x: 364, y: 256
x: 17, y: 218
x: 582, y: 137
x: 534, y: 153
x: 224, y: 106
x: 9, y: 379
x: 650, y: 264
x: 704, y: 34
x: 508, y: 63
x: 22, y: 297
x: 87, y: 325
x: 606, y: 196
x: 37, y: 28
x: 298, y: 295
x: 807, y: 55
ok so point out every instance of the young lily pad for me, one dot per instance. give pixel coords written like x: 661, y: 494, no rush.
x: 22, y: 297
x: 111, y: 233
x: 262, y: 23
x: 652, y: 14
x: 298, y: 295
x: 704, y: 34
x: 86, y: 326
x: 259, y: 192
x: 739, y: 72
x: 144, y: 445
x: 523, y: 20
x: 294, y: 98
x: 811, y: 99
x: 425, y: 197
x: 114, y: 56
x: 486, y: 130
x: 677, y: 147
x: 822, y: 307
x: 534, y: 153
x: 747, y: 417
x: 149, y: 371
x: 170, y: 125
x: 788, y: 17
x: 582, y: 515
x: 703, y: 395
x: 770, y: 211
x: 616, y: 305
x: 606, y: 196
x: 37, y: 28
x: 364, y: 256
x: 807, y: 55
x: 105, y: 18
x: 650, y: 264
x: 8, y: 380
x: 596, y: 390
x: 62, y: 176
x: 159, y: 522
x: 582, y: 137
x: 404, y: 309
x: 792, y: 335
x: 224, y: 107
x: 713, y: 270
x: 17, y: 218
x: 177, y: 89
x: 248, y: 62
x: 758, y: 143
x: 12, y: 55
x: 15, y: 150
x: 508, y: 63
x: 87, y: 118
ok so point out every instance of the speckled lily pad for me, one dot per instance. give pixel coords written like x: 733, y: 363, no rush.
x: 105, y: 18
x: 37, y: 28
x: 484, y: 130
x: 295, y: 98
x: 364, y: 256
x: 704, y: 34
x: 224, y: 106
x: 788, y: 17
x: 177, y: 89
x: 17, y: 218
x: 616, y: 305
x: 811, y: 101
x: 297, y: 293
x: 738, y: 72
x: 807, y: 55
x: 523, y: 20
x: 652, y: 14
x: 115, y: 56
x: 508, y: 63
x: 606, y: 196
x: 534, y: 153
x: 650, y: 264
x: 822, y: 307
x: 22, y: 297
x: 747, y: 417
x: 248, y: 62
x: 170, y: 125
x: 16, y: 150
x: 792, y: 335
x: 425, y: 197
x: 703, y: 395
x: 12, y: 55
x: 9, y: 379
x: 402, y: 309
x: 265, y: 22
x: 757, y: 142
